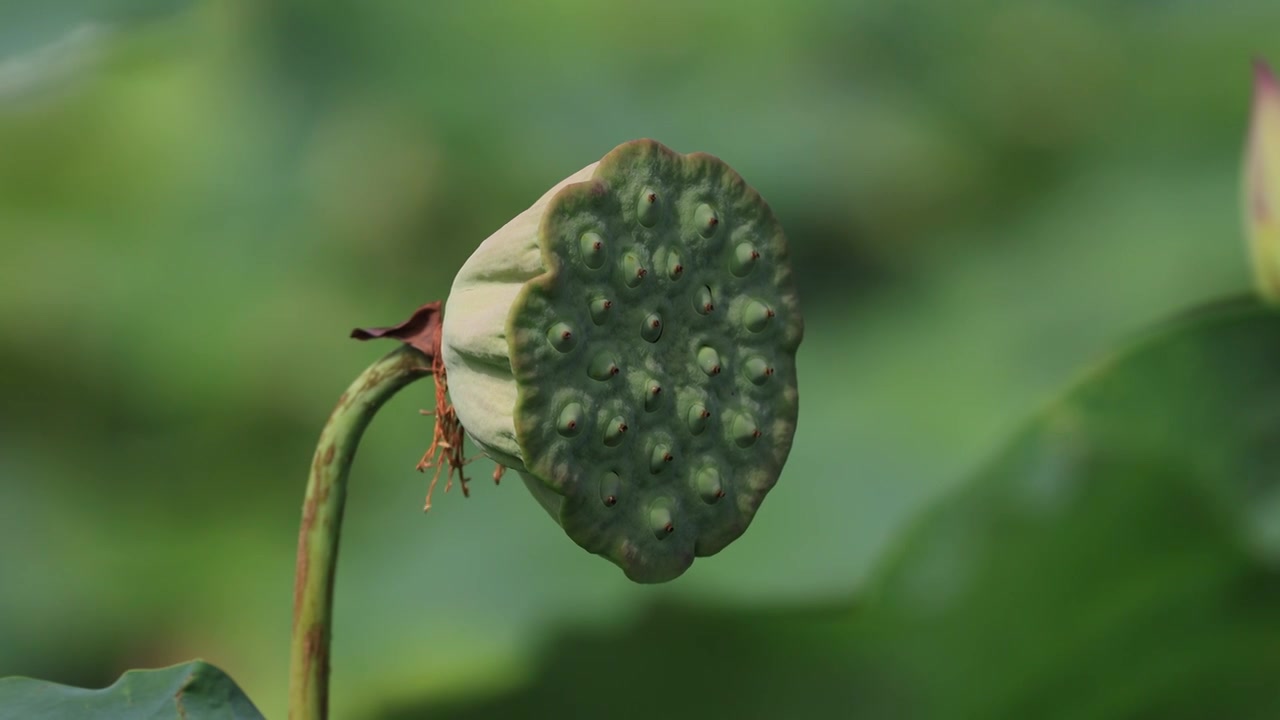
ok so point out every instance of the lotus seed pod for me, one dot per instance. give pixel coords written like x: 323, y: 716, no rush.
x: 653, y: 430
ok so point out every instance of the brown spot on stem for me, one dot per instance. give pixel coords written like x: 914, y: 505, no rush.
x: 303, y: 562
x: 316, y: 654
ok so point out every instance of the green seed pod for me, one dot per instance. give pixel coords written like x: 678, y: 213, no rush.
x: 671, y: 277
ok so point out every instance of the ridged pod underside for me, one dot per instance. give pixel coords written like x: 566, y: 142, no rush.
x: 654, y: 358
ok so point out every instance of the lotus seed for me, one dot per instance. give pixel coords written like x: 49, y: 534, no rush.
x: 561, y: 337
x: 592, y: 250
x: 674, y: 267
x: 708, y: 484
x: 647, y: 212
x: 743, y: 259
x: 757, y: 370
x: 697, y: 418
x: 602, y: 366
x: 757, y: 316
x: 653, y: 398
x: 600, y: 310
x: 659, y: 457
x: 614, y: 431
x: 702, y: 301
x: 632, y: 271
x: 709, y: 360
x: 610, y: 486
x: 570, y: 423
x: 745, y: 432
x: 706, y: 220
x: 660, y: 521
x: 651, y: 329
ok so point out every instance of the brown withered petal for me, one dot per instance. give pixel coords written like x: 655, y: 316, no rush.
x: 421, y: 330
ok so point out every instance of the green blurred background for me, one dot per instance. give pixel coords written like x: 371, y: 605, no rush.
x: 199, y: 199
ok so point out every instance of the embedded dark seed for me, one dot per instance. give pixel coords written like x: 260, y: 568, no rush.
x: 704, y: 217
x: 592, y: 250
x: 743, y: 259
x: 609, y: 486
x: 599, y: 308
x: 647, y: 210
x: 651, y: 329
x: 569, y: 419
x: 659, y: 456
x: 757, y: 315
x: 602, y: 367
x: 708, y: 484
x: 652, y: 396
x: 757, y: 370
x: 697, y: 418
x: 675, y: 268
x: 702, y: 301
x: 614, y: 431
x: 561, y: 337
x: 744, y: 431
x: 709, y: 360
x: 660, y: 521
x: 633, y: 271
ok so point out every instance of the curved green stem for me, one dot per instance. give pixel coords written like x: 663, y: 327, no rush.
x: 322, y: 524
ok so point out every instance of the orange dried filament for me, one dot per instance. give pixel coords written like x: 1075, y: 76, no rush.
x: 447, y: 438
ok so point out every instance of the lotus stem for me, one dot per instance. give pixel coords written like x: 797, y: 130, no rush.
x: 322, y: 524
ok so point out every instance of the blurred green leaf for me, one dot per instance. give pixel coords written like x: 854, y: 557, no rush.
x: 191, y: 691
x: 1120, y: 559
x: 973, y: 190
